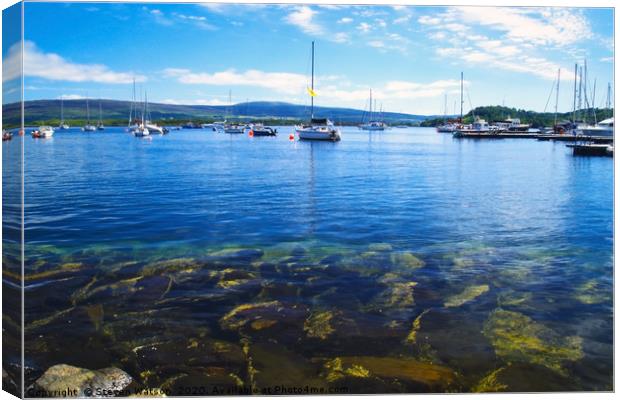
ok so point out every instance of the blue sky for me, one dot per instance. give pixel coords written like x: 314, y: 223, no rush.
x: 410, y: 56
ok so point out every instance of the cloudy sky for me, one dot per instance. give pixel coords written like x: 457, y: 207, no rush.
x: 411, y: 57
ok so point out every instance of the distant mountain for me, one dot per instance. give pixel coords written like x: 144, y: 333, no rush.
x: 117, y: 111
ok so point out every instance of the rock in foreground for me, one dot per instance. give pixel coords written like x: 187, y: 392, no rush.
x: 64, y: 380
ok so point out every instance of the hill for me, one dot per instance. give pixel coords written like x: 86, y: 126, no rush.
x: 536, y: 119
x: 116, y: 112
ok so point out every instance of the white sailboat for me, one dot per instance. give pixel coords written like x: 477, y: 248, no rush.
x: 62, y: 124
x: 372, y: 125
x: 232, y: 128
x: 318, y: 128
x: 100, y: 126
x: 88, y: 127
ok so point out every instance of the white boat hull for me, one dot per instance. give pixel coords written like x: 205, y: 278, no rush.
x: 89, y: 128
x: 372, y: 128
x: 314, y: 134
x: 596, y: 131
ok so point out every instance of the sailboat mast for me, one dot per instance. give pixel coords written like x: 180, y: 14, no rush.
x: 557, y: 97
x: 608, y: 101
x: 370, y: 110
x: 133, y: 103
x: 575, y: 94
x: 312, y: 85
x: 87, y: 111
x: 100, y: 121
x: 445, y: 107
x: 62, y: 110
x: 461, y: 120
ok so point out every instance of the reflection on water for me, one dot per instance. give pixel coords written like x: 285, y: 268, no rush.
x: 403, y: 262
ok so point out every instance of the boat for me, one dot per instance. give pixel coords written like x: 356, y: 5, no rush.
x: 63, y: 125
x: 318, y: 128
x: 261, y: 130
x: 372, y: 125
x: 43, y: 132
x: 234, y: 128
x: 446, y: 127
x: 100, y: 126
x: 478, y: 126
x: 152, y: 127
x: 512, y: 125
x: 88, y: 127
x: 603, y: 128
x: 140, y: 129
x: 6, y: 135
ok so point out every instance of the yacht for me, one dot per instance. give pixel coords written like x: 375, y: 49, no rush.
x: 43, y: 132
x: 234, y: 128
x: 63, y: 125
x: 447, y: 128
x: 88, y: 127
x: 603, y: 128
x: 261, y: 130
x: 318, y: 128
x: 372, y: 125
x: 100, y: 126
x: 512, y: 125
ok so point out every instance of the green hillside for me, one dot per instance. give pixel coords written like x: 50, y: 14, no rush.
x: 116, y: 112
x: 536, y: 119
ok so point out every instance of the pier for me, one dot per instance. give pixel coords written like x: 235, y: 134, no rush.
x: 538, y: 136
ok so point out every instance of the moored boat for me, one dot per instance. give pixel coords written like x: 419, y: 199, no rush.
x: 603, y: 128
x: 6, y: 135
x: 88, y: 127
x: 318, y: 128
x: 261, y: 130
x: 43, y: 132
x: 234, y: 128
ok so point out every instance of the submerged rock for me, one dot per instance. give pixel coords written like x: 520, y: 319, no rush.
x: 318, y: 326
x: 407, y: 369
x: 262, y: 315
x: 64, y: 380
x: 415, y: 327
x: 469, y: 294
x: 230, y: 278
x: 519, y: 377
x: 380, y: 247
x: 518, y: 338
x: 172, y: 265
x: 406, y: 260
x: 235, y: 254
x: 591, y: 292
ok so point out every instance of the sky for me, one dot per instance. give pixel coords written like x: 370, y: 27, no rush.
x: 411, y: 57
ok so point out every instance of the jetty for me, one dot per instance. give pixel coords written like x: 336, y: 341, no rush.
x: 592, y: 149
x: 533, y: 135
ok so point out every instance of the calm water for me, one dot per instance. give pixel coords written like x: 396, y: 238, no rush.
x: 199, y: 258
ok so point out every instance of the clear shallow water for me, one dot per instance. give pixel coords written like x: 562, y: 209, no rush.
x: 491, y: 259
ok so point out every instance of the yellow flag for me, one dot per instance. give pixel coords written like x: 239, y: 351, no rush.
x: 311, y: 92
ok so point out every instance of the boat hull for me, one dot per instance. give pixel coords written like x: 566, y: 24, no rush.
x: 307, y: 134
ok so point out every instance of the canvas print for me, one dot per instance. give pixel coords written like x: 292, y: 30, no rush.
x: 208, y: 199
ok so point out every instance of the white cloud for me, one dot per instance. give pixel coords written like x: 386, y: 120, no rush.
x: 284, y: 82
x: 428, y: 20
x: 402, y: 20
x: 302, y: 17
x: 71, y: 97
x: 607, y: 59
x: 364, y: 27
x: 53, y: 67
x: 376, y: 43
x: 345, y: 20
x: 546, y: 26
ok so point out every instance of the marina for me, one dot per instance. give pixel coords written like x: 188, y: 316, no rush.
x: 335, y: 227
x: 292, y: 252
